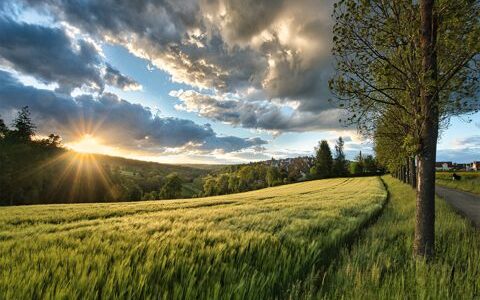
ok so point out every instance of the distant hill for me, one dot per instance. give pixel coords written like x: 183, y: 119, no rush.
x: 39, y: 172
x: 186, y: 171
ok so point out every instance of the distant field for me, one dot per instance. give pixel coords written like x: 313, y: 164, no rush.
x: 470, y: 181
x: 255, y: 245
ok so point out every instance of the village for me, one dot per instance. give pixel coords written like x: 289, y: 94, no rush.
x: 451, y: 166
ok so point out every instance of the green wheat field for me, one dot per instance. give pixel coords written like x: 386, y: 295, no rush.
x: 254, y: 245
x: 326, y: 239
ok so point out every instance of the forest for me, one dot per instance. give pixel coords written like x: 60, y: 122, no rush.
x: 40, y: 170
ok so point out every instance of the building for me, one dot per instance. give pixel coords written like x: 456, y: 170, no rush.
x: 449, y: 166
x: 444, y: 166
x: 475, y: 166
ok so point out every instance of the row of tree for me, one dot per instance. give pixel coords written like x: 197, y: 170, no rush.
x: 403, y: 68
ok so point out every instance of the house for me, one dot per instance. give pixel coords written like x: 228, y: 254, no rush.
x: 475, y: 166
x: 444, y: 166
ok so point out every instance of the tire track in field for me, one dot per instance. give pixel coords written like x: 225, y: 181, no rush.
x: 29, y: 229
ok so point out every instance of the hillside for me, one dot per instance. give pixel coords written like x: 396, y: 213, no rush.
x: 39, y: 173
x: 257, y: 244
x: 187, y: 171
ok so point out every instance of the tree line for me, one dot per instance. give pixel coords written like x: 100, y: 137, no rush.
x: 37, y: 170
x: 403, y: 69
x: 241, y: 178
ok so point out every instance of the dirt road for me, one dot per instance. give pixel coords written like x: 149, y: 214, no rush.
x: 467, y: 204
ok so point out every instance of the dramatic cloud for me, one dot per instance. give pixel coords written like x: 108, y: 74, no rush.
x: 117, y: 122
x: 114, y: 77
x: 259, y: 50
x: 256, y: 114
x: 51, y: 55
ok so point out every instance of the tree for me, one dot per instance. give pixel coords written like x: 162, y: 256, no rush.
x: 172, y: 188
x: 384, y: 66
x: 356, y: 168
x: 340, y: 166
x: 210, y: 186
x: 24, y: 127
x: 246, y: 177
x: 369, y: 164
x: 3, y: 129
x: 233, y: 183
x: 222, y: 184
x: 324, y: 160
x: 273, y: 176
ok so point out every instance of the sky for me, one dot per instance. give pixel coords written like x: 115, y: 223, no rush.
x: 184, y: 81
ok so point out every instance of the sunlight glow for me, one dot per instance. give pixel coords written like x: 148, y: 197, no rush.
x: 89, y: 144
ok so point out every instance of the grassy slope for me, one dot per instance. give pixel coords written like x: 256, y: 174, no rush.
x: 380, y: 264
x: 251, y: 245
x: 470, y: 181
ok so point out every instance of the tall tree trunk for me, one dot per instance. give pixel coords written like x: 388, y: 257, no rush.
x: 407, y: 171
x: 413, y: 171
x: 424, y: 244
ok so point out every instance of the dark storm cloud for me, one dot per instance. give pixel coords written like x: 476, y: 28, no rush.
x: 116, y: 121
x: 258, y: 115
x: 279, y: 49
x: 50, y: 55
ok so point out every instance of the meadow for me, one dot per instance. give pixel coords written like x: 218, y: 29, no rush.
x: 470, y: 181
x: 269, y: 243
x: 380, y: 265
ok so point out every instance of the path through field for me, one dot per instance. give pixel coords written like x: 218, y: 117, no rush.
x: 467, y: 204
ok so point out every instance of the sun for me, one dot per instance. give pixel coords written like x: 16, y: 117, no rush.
x: 90, y: 144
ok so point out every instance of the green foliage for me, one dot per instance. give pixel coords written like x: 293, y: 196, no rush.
x: 365, y: 165
x: 172, y: 188
x: 210, y: 186
x: 273, y: 177
x: 340, y: 164
x: 356, y: 168
x: 324, y: 160
x: 24, y: 127
x: 379, y: 76
x: 255, y: 245
x: 369, y: 165
x: 238, y: 179
x: 378, y: 62
x: 3, y: 129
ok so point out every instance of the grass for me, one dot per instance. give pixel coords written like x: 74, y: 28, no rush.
x: 380, y: 265
x: 470, y: 181
x: 255, y: 245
